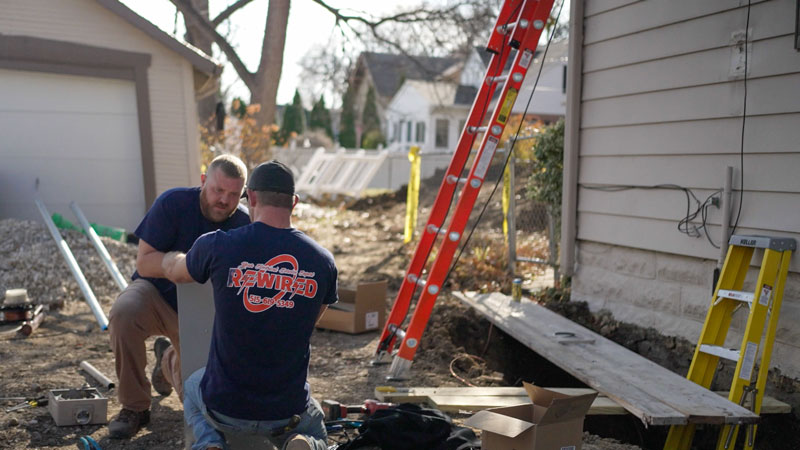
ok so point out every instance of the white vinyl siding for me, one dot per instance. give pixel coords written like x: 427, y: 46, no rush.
x: 661, y: 103
x: 667, y: 109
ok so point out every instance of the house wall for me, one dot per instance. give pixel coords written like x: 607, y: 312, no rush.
x: 408, y: 105
x: 550, y: 98
x: 173, y: 108
x: 662, y: 103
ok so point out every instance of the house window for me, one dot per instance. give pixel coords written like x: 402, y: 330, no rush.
x: 420, y: 132
x: 461, y: 124
x: 395, y: 132
x: 408, y: 131
x: 442, y: 130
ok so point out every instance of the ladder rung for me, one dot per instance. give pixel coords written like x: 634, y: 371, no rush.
x: 741, y: 296
x: 453, y: 179
x: 453, y: 236
x: 722, y: 352
x: 475, y: 130
x: 503, y: 29
x: 397, y: 331
x: 434, y: 229
x: 415, y: 279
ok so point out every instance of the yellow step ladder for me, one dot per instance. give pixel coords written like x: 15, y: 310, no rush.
x: 764, y: 305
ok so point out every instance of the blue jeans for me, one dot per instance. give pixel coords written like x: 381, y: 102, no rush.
x: 209, y: 427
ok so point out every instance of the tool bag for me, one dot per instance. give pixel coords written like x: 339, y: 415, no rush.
x: 411, y: 427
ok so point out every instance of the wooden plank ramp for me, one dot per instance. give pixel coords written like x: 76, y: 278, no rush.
x: 455, y: 399
x: 648, y: 391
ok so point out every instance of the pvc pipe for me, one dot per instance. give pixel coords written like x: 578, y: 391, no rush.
x: 569, y: 201
x: 97, y: 375
x: 73, y: 266
x: 726, y: 216
x: 512, y: 212
x: 98, y: 245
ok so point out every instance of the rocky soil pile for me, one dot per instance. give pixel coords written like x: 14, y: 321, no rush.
x: 30, y: 259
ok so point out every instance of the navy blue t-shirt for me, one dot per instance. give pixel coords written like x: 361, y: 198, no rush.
x: 269, y: 285
x: 173, y: 223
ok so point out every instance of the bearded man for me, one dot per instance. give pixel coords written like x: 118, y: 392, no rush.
x: 148, y: 306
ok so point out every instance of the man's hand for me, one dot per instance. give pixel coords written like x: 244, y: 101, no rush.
x: 174, y: 267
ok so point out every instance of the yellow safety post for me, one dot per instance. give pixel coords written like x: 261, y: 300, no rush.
x: 506, y: 198
x: 412, y: 196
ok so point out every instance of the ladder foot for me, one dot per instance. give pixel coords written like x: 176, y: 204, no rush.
x: 399, y: 369
x: 380, y: 359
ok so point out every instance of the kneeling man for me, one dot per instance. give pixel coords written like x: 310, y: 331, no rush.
x: 271, y: 283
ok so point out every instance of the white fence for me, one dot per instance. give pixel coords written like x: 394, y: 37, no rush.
x: 351, y: 172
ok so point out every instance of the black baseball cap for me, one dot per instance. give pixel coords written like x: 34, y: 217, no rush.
x: 272, y: 176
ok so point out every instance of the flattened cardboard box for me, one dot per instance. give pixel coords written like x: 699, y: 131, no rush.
x: 358, y: 310
x: 552, y: 421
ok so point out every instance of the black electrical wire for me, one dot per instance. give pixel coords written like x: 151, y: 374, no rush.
x: 744, y: 119
x: 511, y: 148
x: 684, y: 225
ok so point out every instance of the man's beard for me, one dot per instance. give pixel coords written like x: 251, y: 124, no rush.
x: 211, y: 213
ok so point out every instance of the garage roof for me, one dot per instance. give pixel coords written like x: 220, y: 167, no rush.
x: 199, y: 60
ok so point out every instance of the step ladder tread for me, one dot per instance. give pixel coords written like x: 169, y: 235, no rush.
x: 722, y: 352
x: 742, y: 296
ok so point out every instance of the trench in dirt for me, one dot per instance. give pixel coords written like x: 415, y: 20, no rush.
x: 514, y: 363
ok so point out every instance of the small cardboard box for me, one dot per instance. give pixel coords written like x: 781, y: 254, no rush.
x: 358, y: 310
x: 552, y: 421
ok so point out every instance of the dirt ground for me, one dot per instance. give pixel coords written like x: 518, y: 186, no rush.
x: 366, y: 239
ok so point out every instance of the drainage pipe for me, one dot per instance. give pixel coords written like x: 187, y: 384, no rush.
x: 98, y: 245
x: 569, y: 202
x: 73, y: 266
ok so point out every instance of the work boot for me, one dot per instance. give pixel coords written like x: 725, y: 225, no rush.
x: 157, y: 379
x: 298, y: 442
x: 128, y: 423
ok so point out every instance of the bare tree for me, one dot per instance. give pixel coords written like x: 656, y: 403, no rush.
x: 263, y: 82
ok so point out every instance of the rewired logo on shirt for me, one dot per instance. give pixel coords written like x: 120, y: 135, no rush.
x: 280, y: 273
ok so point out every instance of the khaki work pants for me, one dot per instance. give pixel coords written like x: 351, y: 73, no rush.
x: 139, y: 313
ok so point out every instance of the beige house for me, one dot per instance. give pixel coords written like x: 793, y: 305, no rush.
x: 656, y: 97
x: 99, y: 105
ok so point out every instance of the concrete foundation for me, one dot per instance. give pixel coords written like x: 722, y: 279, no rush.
x: 672, y: 293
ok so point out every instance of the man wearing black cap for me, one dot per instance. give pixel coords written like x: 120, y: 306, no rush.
x: 271, y: 283
x: 149, y: 305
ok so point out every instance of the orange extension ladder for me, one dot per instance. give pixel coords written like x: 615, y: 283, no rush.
x: 519, y: 27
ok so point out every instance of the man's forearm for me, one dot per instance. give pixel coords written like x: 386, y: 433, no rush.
x: 151, y: 265
x: 173, y: 265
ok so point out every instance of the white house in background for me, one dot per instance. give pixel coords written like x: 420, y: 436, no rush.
x: 99, y: 105
x: 432, y: 114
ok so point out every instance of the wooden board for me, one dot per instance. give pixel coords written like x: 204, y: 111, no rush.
x: 650, y: 392
x: 453, y: 399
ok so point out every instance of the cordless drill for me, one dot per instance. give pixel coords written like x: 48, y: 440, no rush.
x: 334, y: 410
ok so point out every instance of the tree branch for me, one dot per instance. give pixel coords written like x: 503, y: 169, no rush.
x: 207, y: 28
x: 228, y: 12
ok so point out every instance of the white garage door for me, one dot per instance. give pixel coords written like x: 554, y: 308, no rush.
x: 78, y: 135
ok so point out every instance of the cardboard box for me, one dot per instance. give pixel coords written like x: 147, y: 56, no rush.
x: 552, y: 421
x: 358, y: 310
